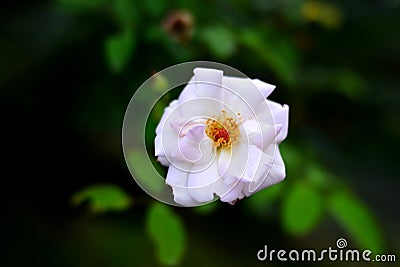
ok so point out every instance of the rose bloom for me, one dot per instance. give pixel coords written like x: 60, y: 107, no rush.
x: 220, y: 139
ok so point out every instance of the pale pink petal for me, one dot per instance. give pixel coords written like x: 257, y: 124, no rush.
x: 166, y: 139
x: 177, y: 179
x: 202, y: 95
x: 278, y: 172
x: 200, y: 183
x: 259, y: 134
x: 258, y: 165
x: 281, y: 116
x: 200, y: 107
x: 166, y: 114
x: 244, y: 95
x: 232, y: 163
x: 275, y: 175
x: 165, y: 142
x: 229, y: 193
x: 208, y: 82
x: 224, y: 160
x: 195, y: 147
x: 265, y: 88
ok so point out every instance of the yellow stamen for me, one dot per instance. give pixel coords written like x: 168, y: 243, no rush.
x: 223, y: 132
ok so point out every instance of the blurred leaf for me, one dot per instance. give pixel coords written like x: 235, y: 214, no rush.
x: 220, y: 40
x: 167, y: 231
x: 125, y: 12
x: 139, y: 162
x: 302, y: 208
x: 118, y: 50
x: 317, y: 175
x: 103, y: 198
x: 356, y: 219
x: 275, y: 51
x: 350, y: 84
x: 262, y: 201
x: 155, y: 7
x: 311, y: 10
x: 160, y: 83
x: 326, y: 14
x: 331, y: 16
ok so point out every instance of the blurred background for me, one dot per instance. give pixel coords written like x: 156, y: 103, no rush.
x: 68, y: 69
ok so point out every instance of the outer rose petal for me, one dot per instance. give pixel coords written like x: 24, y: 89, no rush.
x: 163, y: 147
x: 278, y: 171
x: 258, y: 165
x: 259, y: 134
x: 206, y: 84
x: 281, y: 116
x: 201, y: 184
x: 245, y: 95
x: 177, y: 179
x: 165, y: 132
x: 276, y: 174
x: 166, y: 114
x: 229, y: 193
x: 265, y: 88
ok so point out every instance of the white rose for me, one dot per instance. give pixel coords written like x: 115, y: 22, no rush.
x: 220, y: 138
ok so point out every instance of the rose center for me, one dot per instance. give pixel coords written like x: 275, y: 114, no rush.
x: 222, y: 132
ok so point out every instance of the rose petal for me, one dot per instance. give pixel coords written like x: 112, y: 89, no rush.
x: 203, y: 87
x: 259, y: 134
x: 265, y: 88
x: 177, y: 179
x: 166, y: 139
x: 281, y: 116
x: 166, y: 114
x: 232, y: 163
x: 200, y: 183
x: 208, y: 82
x: 242, y: 95
x: 275, y: 175
x: 195, y: 147
x: 229, y: 193
x: 200, y: 107
x: 278, y: 172
x: 258, y: 165
x: 165, y: 142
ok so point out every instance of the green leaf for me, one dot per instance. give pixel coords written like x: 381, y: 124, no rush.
x: 357, y: 220
x: 102, y: 198
x: 167, y: 231
x: 302, y: 209
x: 318, y: 176
x: 220, y: 40
x: 139, y: 162
x: 125, y: 13
x: 350, y: 84
x: 118, y: 50
x: 274, y: 50
x: 155, y: 7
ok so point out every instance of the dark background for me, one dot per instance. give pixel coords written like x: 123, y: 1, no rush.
x: 68, y: 69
